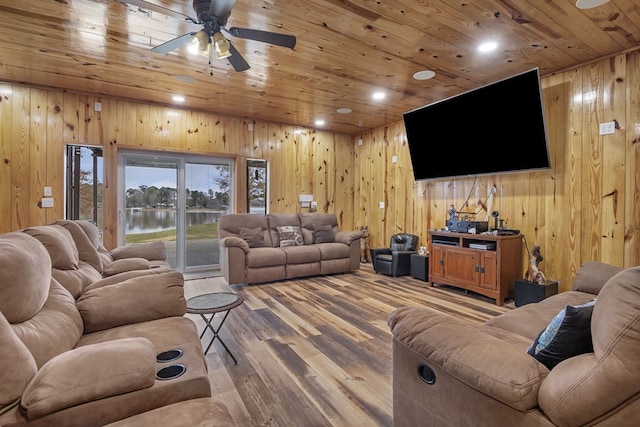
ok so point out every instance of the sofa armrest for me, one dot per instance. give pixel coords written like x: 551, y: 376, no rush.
x: 152, y: 251
x: 90, y: 373
x: 126, y: 264
x: 234, y: 242
x: 347, y: 237
x: 139, y: 299
x: 481, y: 361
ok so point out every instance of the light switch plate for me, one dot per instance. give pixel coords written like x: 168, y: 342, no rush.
x: 394, y: 159
x: 47, y: 192
x: 607, y: 128
x: 381, y: 205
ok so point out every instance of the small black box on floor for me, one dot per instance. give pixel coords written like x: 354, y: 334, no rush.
x: 420, y: 266
x: 527, y: 292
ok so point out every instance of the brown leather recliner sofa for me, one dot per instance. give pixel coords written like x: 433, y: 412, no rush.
x: 90, y: 359
x: 258, y: 248
x: 448, y: 372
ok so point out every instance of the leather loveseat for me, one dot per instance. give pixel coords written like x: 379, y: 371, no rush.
x: 264, y: 248
x: 91, y: 359
x: 448, y: 372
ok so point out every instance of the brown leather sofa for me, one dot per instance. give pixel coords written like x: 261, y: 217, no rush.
x: 91, y: 361
x: 447, y: 372
x: 253, y: 248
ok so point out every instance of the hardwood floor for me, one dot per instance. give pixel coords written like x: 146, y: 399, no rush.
x: 317, y: 351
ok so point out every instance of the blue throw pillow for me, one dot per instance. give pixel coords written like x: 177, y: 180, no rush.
x: 567, y: 335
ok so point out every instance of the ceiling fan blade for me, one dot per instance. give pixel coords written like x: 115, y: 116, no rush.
x: 278, y: 39
x: 167, y: 47
x: 221, y: 9
x: 236, y: 60
x: 155, y: 8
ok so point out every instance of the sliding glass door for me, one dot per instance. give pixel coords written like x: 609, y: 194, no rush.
x: 207, y: 197
x: 178, y: 200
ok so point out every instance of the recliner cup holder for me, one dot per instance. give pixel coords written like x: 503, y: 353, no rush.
x: 426, y: 374
x: 170, y: 372
x: 169, y: 355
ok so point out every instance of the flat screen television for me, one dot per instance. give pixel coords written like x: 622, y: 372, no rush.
x: 497, y: 128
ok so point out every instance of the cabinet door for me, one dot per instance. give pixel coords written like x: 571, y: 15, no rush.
x: 436, y: 262
x: 489, y: 270
x: 462, y: 266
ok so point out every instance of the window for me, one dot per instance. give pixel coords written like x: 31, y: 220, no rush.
x: 84, y: 183
x: 257, y: 186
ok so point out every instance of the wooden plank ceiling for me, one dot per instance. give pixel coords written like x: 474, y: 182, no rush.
x: 346, y: 50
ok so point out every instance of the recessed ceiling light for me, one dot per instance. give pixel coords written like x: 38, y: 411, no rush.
x: 588, y: 4
x: 319, y: 122
x: 378, y: 95
x: 185, y: 79
x: 424, y: 75
x: 178, y: 98
x: 487, y: 47
x: 344, y: 110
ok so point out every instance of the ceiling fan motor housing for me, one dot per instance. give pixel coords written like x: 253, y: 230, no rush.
x: 206, y: 10
x: 201, y: 7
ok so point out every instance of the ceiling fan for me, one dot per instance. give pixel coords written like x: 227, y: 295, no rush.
x: 213, y: 15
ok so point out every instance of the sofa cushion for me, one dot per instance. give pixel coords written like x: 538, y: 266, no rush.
x: 265, y: 257
x: 126, y: 264
x: 87, y: 251
x: 90, y: 373
x: 253, y: 236
x: 592, y: 276
x: 302, y: 254
x: 333, y: 250
x: 135, y: 300
x: 276, y: 220
x: 55, y: 329
x: 25, y: 276
x: 17, y: 365
x: 289, y: 235
x: 530, y: 319
x: 59, y: 243
x: 323, y: 234
x: 309, y: 221
x: 567, y: 335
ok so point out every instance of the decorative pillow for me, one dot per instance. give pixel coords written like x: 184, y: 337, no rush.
x: 290, y: 235
x: 323, y: 234
x: 567, y: 335
x: 253, y: 236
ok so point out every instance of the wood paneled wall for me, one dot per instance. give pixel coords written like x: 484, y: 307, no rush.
x: 36, y: 124
x: 585, y: 208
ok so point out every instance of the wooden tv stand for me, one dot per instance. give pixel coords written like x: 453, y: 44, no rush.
x: 490, y: 268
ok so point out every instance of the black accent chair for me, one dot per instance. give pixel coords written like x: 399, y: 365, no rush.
x: 396, y: 259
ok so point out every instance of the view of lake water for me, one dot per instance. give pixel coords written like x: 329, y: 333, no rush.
x: 152, y: 220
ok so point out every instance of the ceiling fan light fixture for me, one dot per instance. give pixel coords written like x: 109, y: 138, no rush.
x: 202, y: 43
x: 221, y: 45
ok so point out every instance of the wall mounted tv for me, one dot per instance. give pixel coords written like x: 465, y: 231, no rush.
x: 496, y: 128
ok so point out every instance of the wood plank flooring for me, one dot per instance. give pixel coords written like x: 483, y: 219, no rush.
x: 317, y: 351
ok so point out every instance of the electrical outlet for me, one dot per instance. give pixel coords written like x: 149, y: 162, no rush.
x: 97, y: 106
x: 607, y: 128
x: 47, y: 202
